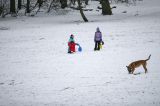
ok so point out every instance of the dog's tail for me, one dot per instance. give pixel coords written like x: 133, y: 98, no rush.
x: 148, y: 57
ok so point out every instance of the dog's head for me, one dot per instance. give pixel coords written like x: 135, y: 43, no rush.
x: 129, y: 69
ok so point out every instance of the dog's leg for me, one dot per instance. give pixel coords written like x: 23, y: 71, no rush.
x: 133, y: 70
x: 145, y: 68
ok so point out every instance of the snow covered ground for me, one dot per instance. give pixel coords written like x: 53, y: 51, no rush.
x: 35, y: 69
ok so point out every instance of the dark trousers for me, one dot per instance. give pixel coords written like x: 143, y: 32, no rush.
x: 97, y: 45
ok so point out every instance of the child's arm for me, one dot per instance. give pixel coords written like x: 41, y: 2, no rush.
x: 77, y: 44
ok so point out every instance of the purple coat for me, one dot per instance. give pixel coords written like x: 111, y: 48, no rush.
x: 98, y: 36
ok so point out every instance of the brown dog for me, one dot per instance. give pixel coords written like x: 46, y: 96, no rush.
x: 136, y: 64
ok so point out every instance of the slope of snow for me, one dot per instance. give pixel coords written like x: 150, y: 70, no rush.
x: 35, y: 69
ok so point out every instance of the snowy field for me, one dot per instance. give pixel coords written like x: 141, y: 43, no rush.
x: 35, y: 69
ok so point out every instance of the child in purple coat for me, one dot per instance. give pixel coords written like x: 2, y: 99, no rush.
x: 97, y: 39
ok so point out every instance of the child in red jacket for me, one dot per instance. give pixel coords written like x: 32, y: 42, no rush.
x: 71, y: 45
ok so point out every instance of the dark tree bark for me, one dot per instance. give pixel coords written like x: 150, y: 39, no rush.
x: 106, y: 9
x: 12, y: 7
x: 19, y: 4
x: 40, y: 2
x: 50, y: 6
x: 86, y: 2
x: 73, y: 2
x: 81, y: 11
x: 63, y: 3
x: 28, y: 6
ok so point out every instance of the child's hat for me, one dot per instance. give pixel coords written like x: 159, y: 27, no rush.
x: 97, y: 29
x: 72, y: 36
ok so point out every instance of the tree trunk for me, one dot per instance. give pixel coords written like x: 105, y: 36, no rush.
x: 1, y: 10
x: 28, y: 6
x: 63, y: 3
x: 73, y: 2
x: 40, y: 2
x: 50, y: 6
x: 86, y: 2
x: 81, y: 11
x: 12, y: 7
x: 106, y: 9
x: 19, y: 4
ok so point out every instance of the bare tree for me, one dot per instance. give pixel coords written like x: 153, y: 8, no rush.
x: 81, y: 11
x: 73, y: 1
x: 63, y: 3
x: 12, y: 7
x: 28, y: 6
x: 39, y: 3
x: 19, y: 4
x: 106, y: 9
x: 54, y: 4
x: 86, y: 2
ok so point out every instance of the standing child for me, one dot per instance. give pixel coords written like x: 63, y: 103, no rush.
x: 71, y: 44
x: 98, y: 39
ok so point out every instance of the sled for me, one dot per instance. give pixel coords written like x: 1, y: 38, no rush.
x: 101, y: 44
x: 79, y: 48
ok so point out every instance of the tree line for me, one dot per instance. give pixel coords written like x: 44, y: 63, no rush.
x: 12, y: 7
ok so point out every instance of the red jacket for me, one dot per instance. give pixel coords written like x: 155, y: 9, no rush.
x: 72, y: 46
